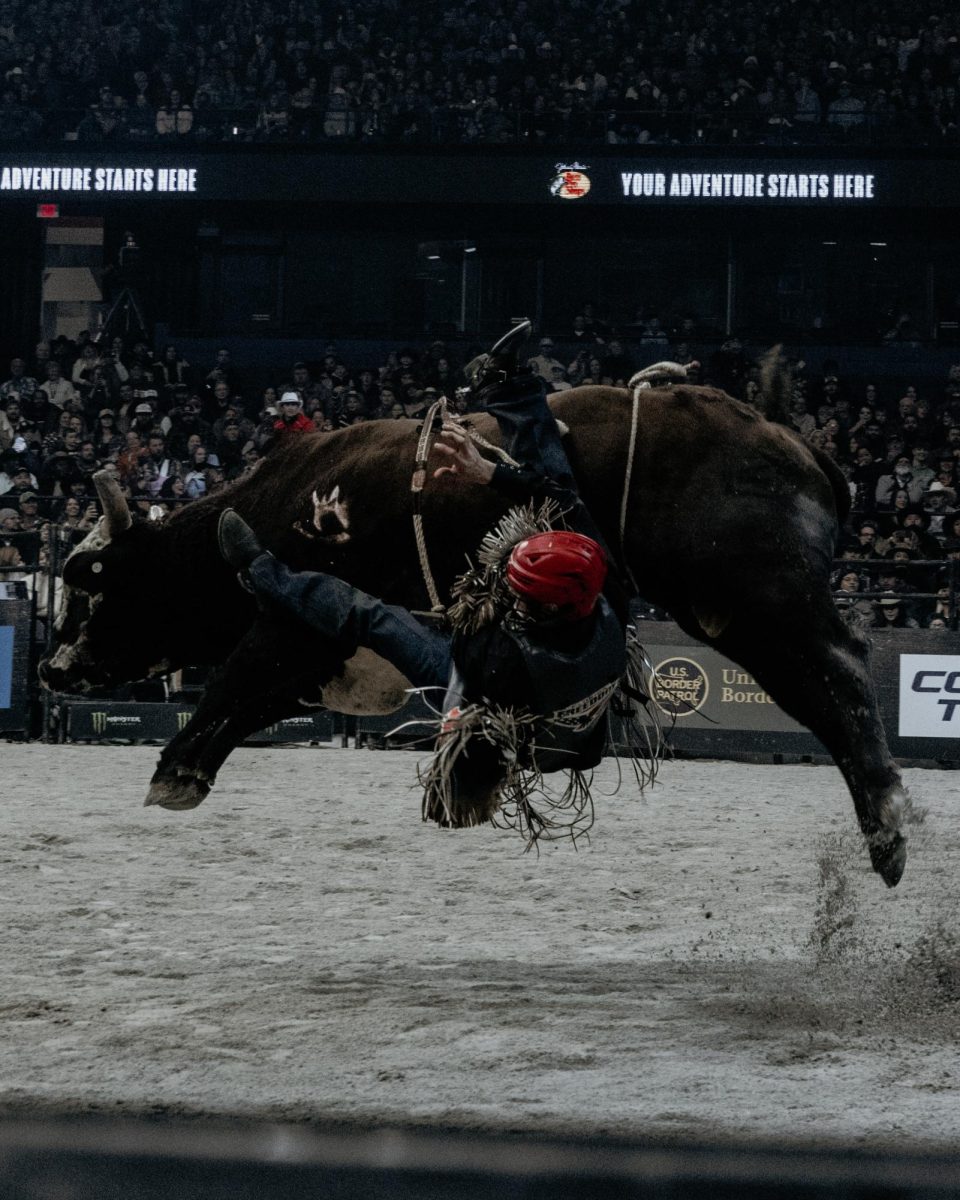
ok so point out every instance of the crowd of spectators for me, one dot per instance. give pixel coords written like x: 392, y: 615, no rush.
x: 532, y: 72
x: 899, y: 450
x: 173, y: 431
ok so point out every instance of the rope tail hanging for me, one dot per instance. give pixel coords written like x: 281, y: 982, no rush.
x: 417, y: 484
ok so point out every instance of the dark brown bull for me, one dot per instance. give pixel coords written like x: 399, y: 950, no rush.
x: 732, y: 522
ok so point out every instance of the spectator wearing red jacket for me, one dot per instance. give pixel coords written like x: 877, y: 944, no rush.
x: 292, y: 416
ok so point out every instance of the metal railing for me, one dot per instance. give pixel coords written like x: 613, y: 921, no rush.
x: 915, y: 601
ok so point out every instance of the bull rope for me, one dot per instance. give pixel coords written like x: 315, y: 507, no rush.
x: 628, y: 476
x: 659, y: 374
x: 418, y: 482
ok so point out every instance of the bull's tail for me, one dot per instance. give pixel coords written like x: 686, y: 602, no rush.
x: 776, y: 386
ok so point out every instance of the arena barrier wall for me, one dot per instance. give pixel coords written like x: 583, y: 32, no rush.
x: 108, y: 721
x: 160, y: 1159
x: 712, y: 708
x: 709, y: 706
x: 14, y: 657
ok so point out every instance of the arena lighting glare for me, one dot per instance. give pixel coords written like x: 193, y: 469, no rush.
x: 878, y: 243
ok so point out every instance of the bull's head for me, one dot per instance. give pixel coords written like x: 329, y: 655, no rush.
x: 106, y: 625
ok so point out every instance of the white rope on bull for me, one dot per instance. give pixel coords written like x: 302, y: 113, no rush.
x: 661, y: 372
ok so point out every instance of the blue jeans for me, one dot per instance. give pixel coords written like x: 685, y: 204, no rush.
x: 355, y: 618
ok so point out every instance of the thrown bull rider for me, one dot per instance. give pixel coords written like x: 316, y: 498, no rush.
x: 537, y: 645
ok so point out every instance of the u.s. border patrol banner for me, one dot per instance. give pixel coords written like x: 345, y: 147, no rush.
x: 713, y: 707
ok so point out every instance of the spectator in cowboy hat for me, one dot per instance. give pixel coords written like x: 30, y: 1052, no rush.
x: 292, y: 418
x: 891, y: 613
x: 939, y: 500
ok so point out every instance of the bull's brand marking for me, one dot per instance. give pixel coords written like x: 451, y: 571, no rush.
x: 571, y: 181
x: 331, y: 518
x: 679, y: 686
x: 929, y: 695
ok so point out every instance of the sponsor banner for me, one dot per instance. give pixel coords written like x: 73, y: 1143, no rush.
x: 106, y: 721
x: 290, y: 175
x: 929, y: 695
x: 311, y: 727
x: 698, y: 688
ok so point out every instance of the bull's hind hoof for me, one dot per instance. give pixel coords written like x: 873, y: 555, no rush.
x: 177, y: 794
x: 889, y: 859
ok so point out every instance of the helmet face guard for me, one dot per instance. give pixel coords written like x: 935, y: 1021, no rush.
x: 562, y: 569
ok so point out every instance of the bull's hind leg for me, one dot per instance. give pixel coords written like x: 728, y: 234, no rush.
x: 815, y: 668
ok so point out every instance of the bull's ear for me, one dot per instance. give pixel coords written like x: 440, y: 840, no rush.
x: 85, y: 570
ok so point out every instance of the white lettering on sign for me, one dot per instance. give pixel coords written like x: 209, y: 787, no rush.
x: 739, y: 185
x: 125, y: 180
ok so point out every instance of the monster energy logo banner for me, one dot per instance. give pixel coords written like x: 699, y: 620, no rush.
x: 125, y: 722
x: 102, y: 721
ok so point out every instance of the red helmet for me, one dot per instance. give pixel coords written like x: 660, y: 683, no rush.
x: 562, y: 568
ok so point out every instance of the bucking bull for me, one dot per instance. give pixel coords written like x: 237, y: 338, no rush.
x: 730, y: 525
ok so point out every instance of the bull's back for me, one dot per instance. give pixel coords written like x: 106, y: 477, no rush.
x: 712, y: 482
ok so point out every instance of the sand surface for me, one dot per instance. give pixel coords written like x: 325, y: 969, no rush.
x: 719, y: 959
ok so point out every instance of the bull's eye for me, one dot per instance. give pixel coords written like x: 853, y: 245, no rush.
x: 96, y: 567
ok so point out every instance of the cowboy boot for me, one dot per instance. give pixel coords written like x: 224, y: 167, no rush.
x: 500, y: 363
x: 237, y: 541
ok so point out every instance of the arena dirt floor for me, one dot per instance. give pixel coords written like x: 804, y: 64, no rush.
x: 718, y: 961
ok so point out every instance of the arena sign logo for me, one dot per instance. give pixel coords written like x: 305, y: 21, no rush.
x: 100, y: 722
x: 570, y: 181
x: 929, y: 695
x: 679, y: 686
x: 114, y: 179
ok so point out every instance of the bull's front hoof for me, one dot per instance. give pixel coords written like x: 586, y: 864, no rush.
x: 889, y: 859
x: 177, y: 794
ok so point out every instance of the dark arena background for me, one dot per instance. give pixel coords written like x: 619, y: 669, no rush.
x: 299, y: 988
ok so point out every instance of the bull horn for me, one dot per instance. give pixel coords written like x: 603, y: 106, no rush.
x: 116, y: 514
